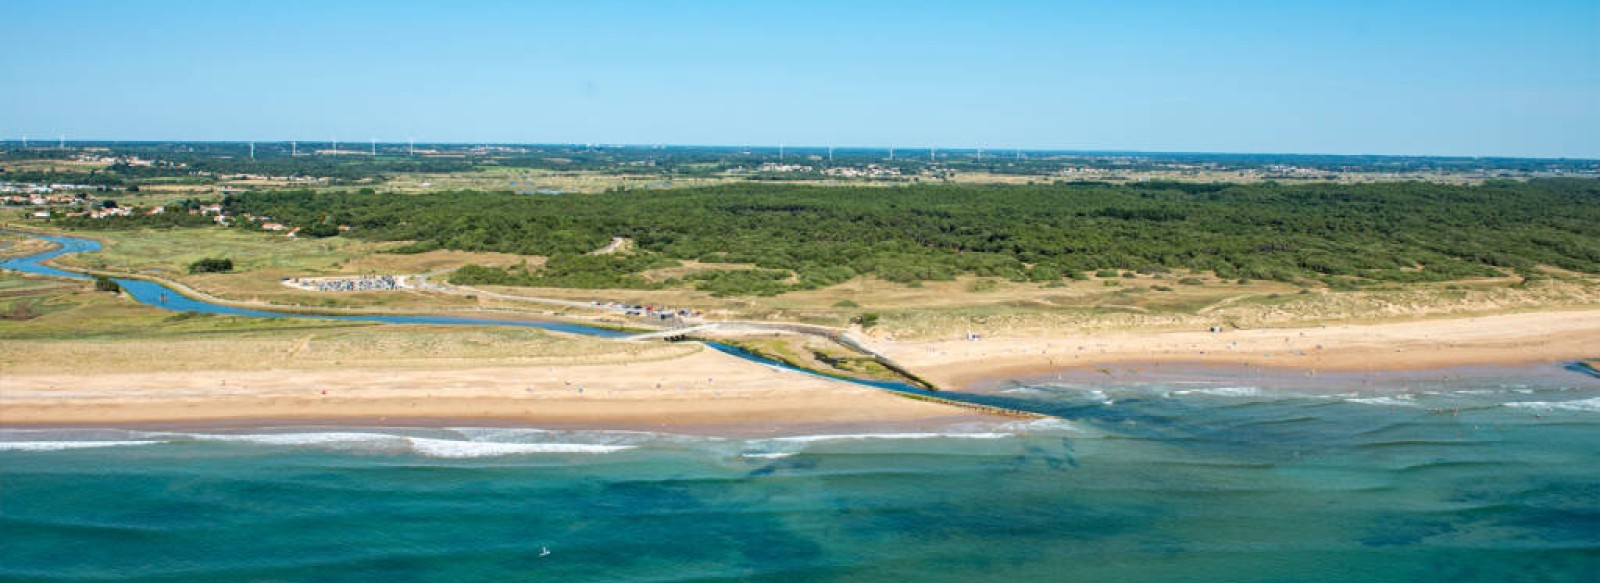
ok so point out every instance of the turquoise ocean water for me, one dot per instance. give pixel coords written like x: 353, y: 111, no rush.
x: 1484, y: 475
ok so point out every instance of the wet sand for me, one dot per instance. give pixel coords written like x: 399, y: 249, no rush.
x: 1489, y: 340
x: 1565, y: 373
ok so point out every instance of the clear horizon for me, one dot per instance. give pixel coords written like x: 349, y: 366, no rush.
x: 1414, y: 78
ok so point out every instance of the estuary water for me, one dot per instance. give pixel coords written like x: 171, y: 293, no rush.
x: 155, y: 294
x: 161, y: 296
x: 1178, y: 475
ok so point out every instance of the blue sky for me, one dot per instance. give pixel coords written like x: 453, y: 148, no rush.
x: 1456, y: 77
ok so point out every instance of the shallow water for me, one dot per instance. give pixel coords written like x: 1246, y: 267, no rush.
x: 1493, y: 478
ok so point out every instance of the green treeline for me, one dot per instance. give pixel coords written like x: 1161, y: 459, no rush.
x: 805, y: 236
x: 211, y: 265
x: 570, y: 270
x: 138, y: 220
x: 90, y: 178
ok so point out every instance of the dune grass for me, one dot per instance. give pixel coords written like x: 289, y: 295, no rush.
x: 928, y: 309
x: 65, y: 326
x: 263, y: 260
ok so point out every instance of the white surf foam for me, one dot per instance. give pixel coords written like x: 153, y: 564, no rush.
x: 1222, y: 392
x: 323, y: 438
x: 1046, y: 424
x: 767, y: 456
x: 426, y: 446
x: 1591, y: 405
x: 61, y: 445
x: 866, y: 436
x: 1396, y: 401
x: 449, y: 448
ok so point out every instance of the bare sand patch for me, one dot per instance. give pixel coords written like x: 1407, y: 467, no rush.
x: 700, y: 389
x: 1497, y: 339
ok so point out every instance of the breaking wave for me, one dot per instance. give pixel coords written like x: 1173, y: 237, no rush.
x: 1591, y: 405
x: 63, y: 445
x: 1385, y: 401
x: 474, y: 442
x: 375, y: 442
x: 1223, y: 392
x: 866, y: 436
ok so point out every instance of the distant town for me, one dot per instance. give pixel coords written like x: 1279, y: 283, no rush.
x: 33, y: 173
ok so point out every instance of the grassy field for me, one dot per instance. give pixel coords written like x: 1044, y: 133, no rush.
x: 262, y: 260
x: 836, y: 305
x: 996, y: 307
x: 18, y: 245
x: 54, y: 165
x: 926, y: 310
x: 45, y: 309
x: 516, y: 179
x: 49, y: 325
x: 814, y: 353
x: 1210, y: 176
x: 493, y: 178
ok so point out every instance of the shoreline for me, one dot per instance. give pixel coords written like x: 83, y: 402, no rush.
x: 1291, y: 381
x: 712, y: 393
x: 747, y: 394
x: 956, y: 421
x: 702, y: 389
x: 1505, y: 339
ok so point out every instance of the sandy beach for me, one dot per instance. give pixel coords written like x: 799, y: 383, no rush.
x: 707, y: 388
x: 1486, y: 340
x: 704, y: 388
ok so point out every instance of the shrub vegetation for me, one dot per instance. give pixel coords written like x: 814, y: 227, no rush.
x: 802, y: 237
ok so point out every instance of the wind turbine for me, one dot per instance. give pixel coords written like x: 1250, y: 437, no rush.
x: 932, y: 155
x: 830, y: 154
x: 252, y: 151
x: 374, y: 147
x: 335, y: 147
x: 411, y: 146
x: 891, y: 152
x: 294, y: 149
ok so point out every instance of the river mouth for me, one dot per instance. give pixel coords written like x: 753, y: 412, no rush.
x: 1154, y: 474
x: 161, y: 296
x: 996, y: 400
